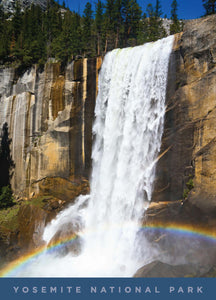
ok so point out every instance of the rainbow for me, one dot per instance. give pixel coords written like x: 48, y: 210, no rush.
x: 185, y: 229
x: 27, y: 259
x: 177, y: 229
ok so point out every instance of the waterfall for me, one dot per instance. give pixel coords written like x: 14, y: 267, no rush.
x: 128, y: 128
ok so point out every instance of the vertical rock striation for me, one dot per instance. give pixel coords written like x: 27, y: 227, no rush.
x: 50, y: 114
x: 189, y: 133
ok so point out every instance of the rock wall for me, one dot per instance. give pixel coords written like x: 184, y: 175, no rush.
x: 189, y: 134
x: 50, y: 114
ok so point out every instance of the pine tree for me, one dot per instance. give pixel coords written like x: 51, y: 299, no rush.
x: 142, y: 33
x: 6, y: 161
x: 87, y: 30
x: 17, y: 20
x: 210, y: 6
x: 155, y: 23
x: 68, y: 44
x: 158, y: 9
x: 175, y: 27
x: 4, y: 36
x: 32, y: 45
x: 7, y: 166
x: 131, y: 16
x: 99, y: 19
x: 109, y: 25
x: 118, y: 23
x: 52, y: 24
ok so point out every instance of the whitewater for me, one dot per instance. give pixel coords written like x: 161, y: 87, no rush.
x: 128, y: 128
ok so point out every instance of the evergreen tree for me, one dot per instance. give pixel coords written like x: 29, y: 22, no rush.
x: 210, y: 6
x: 158, y: 9
x: 34, y: 36
x: 4, y: 36
x: 175, y: 27
x: 7, y: 166
x: 52, y: 24
x: 155, y: 23
x: 6, y: 161
x: 131, y: 17
x: 118, y: 23
x: 87, y: 30
x: 17, y: 20
x: 99, y: 19
x: 109, y: 24
x: 2, y: 18
x: 68, y: 43
x: 142, y: 33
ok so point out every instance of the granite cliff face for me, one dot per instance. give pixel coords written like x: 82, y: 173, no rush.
x: 8, y: 5
x: 50, y: 114
x: 185, y: 192
x: 189, y: 133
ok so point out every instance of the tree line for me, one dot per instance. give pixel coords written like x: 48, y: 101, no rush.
x: 33, y: 35
x: 209, y: 6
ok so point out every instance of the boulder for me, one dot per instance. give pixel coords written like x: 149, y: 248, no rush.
x: 160, y: 269
x: 68, y: 241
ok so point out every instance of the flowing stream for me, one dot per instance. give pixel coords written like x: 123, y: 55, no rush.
x: 128, y: 128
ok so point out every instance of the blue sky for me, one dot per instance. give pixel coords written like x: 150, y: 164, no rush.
x: 188, y: 9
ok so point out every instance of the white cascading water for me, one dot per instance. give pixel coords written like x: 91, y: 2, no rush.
x: 128, y: 129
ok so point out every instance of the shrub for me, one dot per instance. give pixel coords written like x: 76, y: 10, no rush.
x: 190, y: 186
x: 6, y: 197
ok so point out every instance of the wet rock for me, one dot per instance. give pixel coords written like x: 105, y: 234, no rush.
x: 31, y: 220
x: 188, y: 145
x: 63, y: 189
x: 160, y: 269
x: 68, y: 241
x: 176, y: 246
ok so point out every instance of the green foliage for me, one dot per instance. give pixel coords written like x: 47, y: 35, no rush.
x: 175, y: 27
x: 7, y: 166
x: 6, y: 197
x: 8, y: 217
x: 158, y: 9
x: 190, y: 186
x: 6, y: 162
x: 17, y: 20
x: 98, y: 25
x: 185, y: 193
x: 88, y: 46
x: 155, y: 28
x: 210, y: 6
x: 33, y: 35
x: 4, y: 36
x: 68, y: 43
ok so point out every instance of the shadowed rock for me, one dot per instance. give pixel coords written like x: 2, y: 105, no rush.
x: 160, y: 269
x: 67, y: 240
